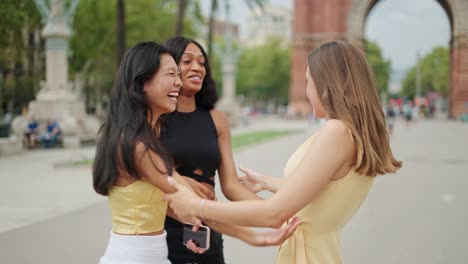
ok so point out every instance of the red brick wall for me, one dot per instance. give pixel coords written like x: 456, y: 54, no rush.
x: 315, y: 22
x: 459, y: 81
x: 318, y: 21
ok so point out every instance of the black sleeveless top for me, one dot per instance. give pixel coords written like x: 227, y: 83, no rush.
x: 192, y: 141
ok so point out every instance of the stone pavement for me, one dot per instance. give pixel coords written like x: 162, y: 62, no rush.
x: 51, y: 214
x: 417, y: 215
x: 36, y: 187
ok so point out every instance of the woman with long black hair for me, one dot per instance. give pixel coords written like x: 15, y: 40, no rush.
x: 131, y: 165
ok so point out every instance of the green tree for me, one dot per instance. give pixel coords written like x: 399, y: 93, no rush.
x: 93, y: 43
x: 92, y: 47
x: 182, y: 6
x: 214, y: 8
x: 19, y: 53
x: 188, y: 11
x: 263, y: 72
x: 380, y: 66
x: 121, y: 39
x: 434, y: 70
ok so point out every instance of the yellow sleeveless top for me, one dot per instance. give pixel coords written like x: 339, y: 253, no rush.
x: 138, y: 208
x: 317, y: 239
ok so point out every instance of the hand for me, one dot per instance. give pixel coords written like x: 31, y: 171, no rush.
x: 201, y: 189
x: 251, y: 180
x: 276, y: 236
x: 183, y: 202
x: 190, y: 245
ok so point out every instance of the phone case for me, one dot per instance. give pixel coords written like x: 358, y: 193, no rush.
x: 201, y: 238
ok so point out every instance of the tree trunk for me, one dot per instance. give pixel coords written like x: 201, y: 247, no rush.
x: 121, y: 45
x: 1, y: 92
x: 39, y: 63
x: 214, y: 7
x: 180, y: 17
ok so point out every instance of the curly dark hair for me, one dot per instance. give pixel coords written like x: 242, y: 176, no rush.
x: 208, y: 95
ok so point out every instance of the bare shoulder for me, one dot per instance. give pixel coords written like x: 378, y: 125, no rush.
x: 149, y: 162
x: 141, y: 151
x: 219, y: 116
x: 335, y: 126
x: 221, y: 120
x: 336, y: 131
x: 140, y: 147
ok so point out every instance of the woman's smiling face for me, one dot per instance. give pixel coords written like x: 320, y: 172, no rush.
x: 193, y: 71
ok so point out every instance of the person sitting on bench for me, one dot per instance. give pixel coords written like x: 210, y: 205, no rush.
x: 53, y: 132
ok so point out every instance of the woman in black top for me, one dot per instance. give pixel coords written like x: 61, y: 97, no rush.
x: 199, y: 140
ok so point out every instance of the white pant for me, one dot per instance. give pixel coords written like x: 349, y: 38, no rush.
x: 132, y: 249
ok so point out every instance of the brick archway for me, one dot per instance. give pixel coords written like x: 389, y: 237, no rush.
x: 318, y: 21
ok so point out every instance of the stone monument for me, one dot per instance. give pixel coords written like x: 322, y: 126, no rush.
x: 57, y: 99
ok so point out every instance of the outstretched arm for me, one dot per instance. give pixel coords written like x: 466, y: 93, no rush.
x: 256, y: 182
x: 332, y: 147
x: 230, y: 185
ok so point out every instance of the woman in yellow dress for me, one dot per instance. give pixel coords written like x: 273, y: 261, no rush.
x: 329, y: 176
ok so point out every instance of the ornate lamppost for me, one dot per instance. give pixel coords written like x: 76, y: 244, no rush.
x: 230, y: 56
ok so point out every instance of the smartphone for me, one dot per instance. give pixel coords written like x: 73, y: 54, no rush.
x: 201, y: 237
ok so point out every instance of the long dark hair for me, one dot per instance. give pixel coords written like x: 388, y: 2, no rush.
x: 126, y: 122
x: 208, y: 95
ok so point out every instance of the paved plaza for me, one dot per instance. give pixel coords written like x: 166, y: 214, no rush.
x: 50, y: 214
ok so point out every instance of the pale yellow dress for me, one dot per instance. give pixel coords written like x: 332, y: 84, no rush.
x: 317, y: 239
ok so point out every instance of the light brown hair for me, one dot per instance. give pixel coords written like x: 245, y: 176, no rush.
x: 347, y: 90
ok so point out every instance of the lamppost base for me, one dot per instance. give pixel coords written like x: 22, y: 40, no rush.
x: 232, y: 109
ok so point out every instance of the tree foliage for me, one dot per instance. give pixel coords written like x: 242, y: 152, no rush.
x: 264, y: 72
x: 380, y: 66
x: 91, y: 48
x: 93, y: 43
x: 434, y: 70
x: 215, y: 4
x: 19, y: 53
x: 94, y: 27
x: 16, y: 15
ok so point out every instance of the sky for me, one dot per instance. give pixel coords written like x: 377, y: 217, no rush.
x: 400, y: 27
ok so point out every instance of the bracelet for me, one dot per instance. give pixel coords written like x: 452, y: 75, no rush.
x: 201, y: 209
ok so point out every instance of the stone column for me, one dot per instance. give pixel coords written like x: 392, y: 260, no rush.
x: 56, y: 99
x: 315, y: 22
x: 229, y: 82
x: 230, y: 55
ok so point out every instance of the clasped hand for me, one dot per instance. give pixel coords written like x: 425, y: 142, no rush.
x: 187, y: 206
x: 183, y: 202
